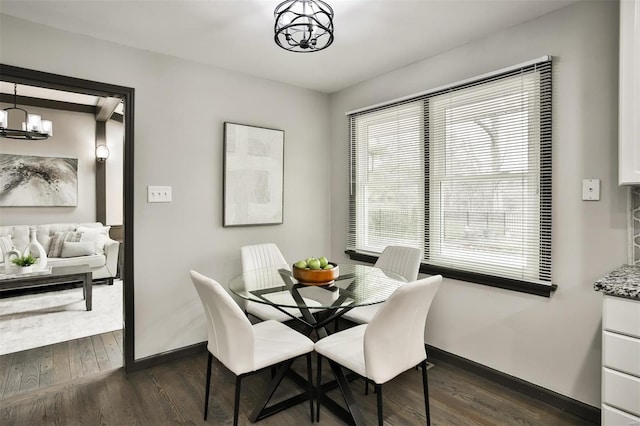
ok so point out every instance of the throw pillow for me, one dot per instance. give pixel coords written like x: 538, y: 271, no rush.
x: 58, y: 239
x: 75, y: 249
x: 100, y: 229
x: 98, y: 235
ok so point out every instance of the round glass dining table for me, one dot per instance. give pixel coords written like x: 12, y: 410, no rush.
x: 319, y: 305
x: 356, y: 285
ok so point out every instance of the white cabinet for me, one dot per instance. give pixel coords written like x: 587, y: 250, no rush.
x: 629, y: 94
x: 613, y: 417
x: 620, y: 361
x: 622, y: 354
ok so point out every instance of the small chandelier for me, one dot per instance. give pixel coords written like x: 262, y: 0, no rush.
x: 303, y: 25
x: 33, y: 126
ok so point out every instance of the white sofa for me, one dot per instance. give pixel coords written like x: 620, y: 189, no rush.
x: 103, y: 262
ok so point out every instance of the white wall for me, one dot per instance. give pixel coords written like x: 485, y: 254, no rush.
x: 74, y: 135
x: 180, y: 108
x: 555, y: 342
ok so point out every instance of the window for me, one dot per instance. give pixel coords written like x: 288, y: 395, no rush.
x: 463, y: 173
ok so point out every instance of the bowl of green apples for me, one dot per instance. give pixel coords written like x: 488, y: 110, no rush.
x: 315, y: 271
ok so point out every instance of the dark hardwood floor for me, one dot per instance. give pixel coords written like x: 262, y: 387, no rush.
x: 173, y: 393
x: 46, y: 366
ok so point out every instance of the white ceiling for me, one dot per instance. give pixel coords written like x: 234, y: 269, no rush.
x: 372, y: 37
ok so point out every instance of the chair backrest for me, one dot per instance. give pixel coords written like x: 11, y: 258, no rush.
x: 230, y: 334
x: 261, y: 256
x: 394, y: 338
x: 402, y: 260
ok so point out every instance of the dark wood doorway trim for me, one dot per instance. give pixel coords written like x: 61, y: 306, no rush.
x: 89, y: 87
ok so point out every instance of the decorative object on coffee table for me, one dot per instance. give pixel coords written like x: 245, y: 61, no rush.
x: 35, y: 249
x: 25, y: 263
x: 8, y: 257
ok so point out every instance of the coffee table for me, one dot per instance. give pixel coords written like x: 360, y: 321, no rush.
x: 59, y: 275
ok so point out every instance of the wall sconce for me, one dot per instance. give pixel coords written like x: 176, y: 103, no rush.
x: 102, y: 153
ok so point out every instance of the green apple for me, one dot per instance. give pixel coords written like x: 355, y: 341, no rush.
x: 328, y: 266
x: 308, y: 259
x: 314, y: 264
x: 301, y: 264
x: 323, y: 261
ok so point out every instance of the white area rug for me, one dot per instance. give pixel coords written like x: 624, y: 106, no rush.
x: 35, y: 320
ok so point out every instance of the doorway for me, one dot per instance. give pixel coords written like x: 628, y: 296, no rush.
x: 126, y: 95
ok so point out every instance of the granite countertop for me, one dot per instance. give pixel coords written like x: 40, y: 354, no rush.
x: 622, y: 282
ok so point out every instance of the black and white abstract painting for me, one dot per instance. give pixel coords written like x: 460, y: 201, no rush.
x: 253, y: 175
x: 30, y: 181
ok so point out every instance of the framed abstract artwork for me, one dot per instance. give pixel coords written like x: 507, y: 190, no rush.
x: 30, y: 181
x: 253, y: 178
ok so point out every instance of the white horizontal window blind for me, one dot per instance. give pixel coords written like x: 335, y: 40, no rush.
x: 388, y: 178
x: 463, y: 173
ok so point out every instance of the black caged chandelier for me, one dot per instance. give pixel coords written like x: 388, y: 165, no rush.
x: 303, y: 25
x: 33, y: 126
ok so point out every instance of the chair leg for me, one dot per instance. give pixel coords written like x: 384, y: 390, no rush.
x: 379, y: 400
x: 206, y: 389
x: 236, y: 406
x: 310, y: 379
x: 319, y: 386
x: 425, y: 385
x: 366, y: 387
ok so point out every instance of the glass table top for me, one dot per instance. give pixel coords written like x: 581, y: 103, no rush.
x: 356, y: 285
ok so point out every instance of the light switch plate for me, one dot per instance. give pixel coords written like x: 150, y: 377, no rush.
x: 591, y: 189
x: 158, y: 194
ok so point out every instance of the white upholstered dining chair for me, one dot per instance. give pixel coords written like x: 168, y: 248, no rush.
x: 391, y: 343
x: 242, y: 347
x: 265, y: 255
x: 404, y: 261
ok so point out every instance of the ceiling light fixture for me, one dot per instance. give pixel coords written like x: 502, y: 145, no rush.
x: 303, y: 25
x: 33, y: 126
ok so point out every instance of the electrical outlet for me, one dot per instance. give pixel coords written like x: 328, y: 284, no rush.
x: 158, y: 194
x: 591, y: 189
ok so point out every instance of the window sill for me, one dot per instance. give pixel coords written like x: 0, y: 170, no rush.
x: 488, y: 280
